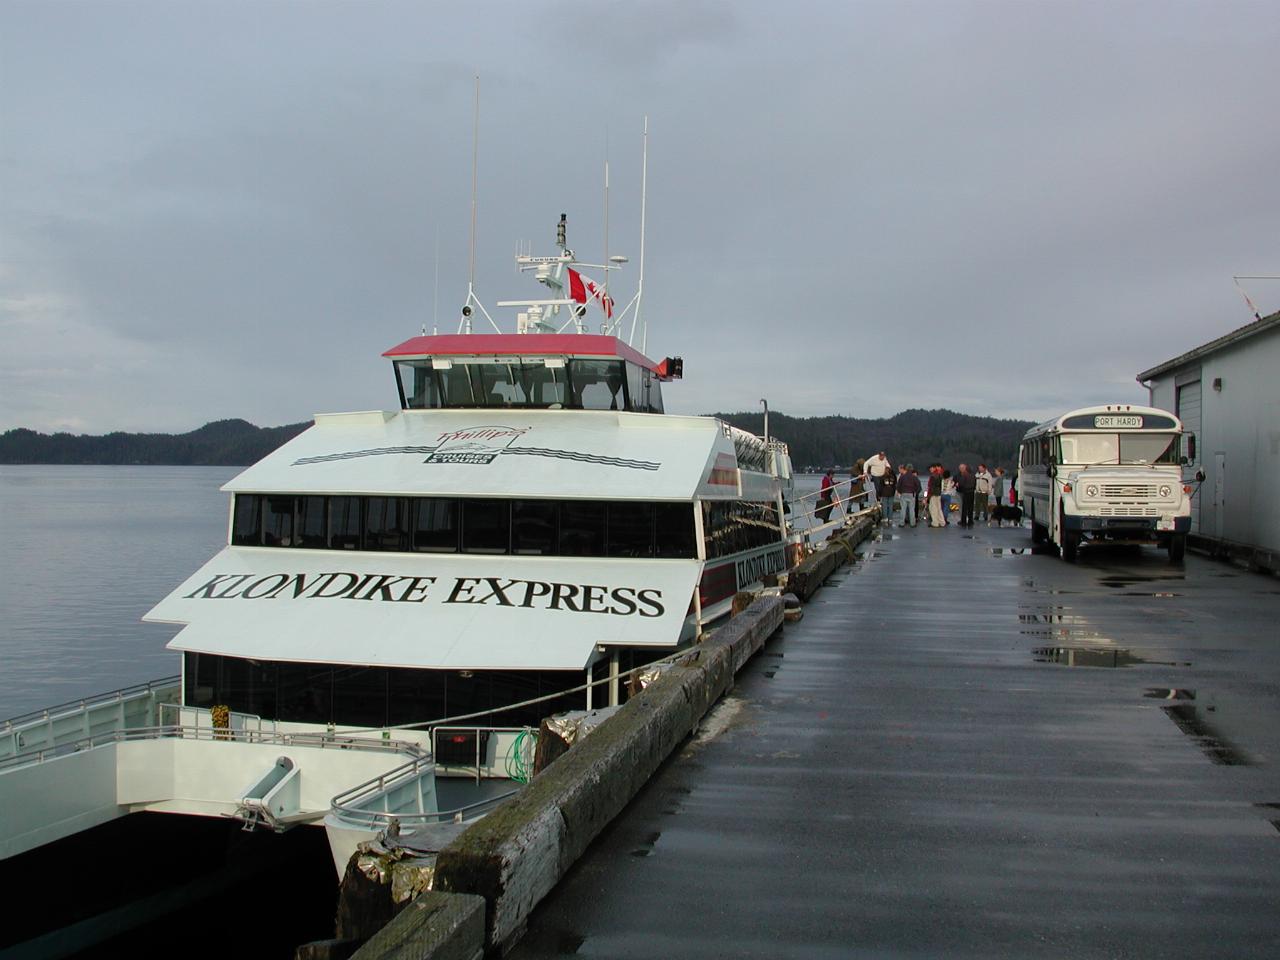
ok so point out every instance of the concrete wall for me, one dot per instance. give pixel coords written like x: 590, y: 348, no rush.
x: 1238, y: 446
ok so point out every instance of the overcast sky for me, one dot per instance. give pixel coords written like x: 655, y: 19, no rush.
x: 219, y: 209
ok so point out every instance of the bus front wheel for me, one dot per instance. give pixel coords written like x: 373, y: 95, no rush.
x: 1177, y: 547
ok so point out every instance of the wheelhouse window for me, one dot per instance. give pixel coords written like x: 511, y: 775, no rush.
x: 582, y: 384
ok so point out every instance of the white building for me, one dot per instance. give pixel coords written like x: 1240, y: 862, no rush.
x: 1228, y: 393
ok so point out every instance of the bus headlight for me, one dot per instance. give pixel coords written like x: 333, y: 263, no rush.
x: 1165, y: 490
x: 1091, y: 489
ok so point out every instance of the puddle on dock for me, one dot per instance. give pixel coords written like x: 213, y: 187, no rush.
x: 1133, y: 580
x: 646, y: 848
x: 1190, y: 720
x: 1096, y: 657
x: 1169, y: 693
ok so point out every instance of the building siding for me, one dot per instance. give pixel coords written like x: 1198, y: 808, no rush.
x: 1238, y: 439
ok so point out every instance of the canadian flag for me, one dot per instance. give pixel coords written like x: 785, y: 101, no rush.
x: 580, y: 286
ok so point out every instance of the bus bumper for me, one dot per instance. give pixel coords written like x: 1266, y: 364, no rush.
x: 1124, y: 527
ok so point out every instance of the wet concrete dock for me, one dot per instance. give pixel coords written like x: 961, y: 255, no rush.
x: 966, y: 749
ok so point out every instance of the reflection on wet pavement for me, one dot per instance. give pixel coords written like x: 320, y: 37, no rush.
x: 1096, y: 657
x: 1191, y: 721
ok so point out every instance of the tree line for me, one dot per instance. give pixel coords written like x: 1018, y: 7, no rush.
x: 913, y: 436
x: 220, y: 443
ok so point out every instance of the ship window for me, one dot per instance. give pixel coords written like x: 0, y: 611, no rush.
x: 547, y: 385
x: 277, y: 521
x: 582, y: 528
x: 655, y: 395
x: 310, y: 525
x: 415, y: 696
x: 360, y: 695
x: 246, y: 529
x: 501, y: 384
x: 630, y: 529
x: 486, y: 526
x: 386, y: 525
x: 635, y: 388
x: 418, y: 386
x: 597, y: 384
x: 435, y: 528
x: 457, y: 387
x: 305, y: 692
x: 673, y: 530
x: 344, y: 523
x: 535, y: 527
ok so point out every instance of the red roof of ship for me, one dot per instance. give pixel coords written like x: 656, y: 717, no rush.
x: 518, y: 345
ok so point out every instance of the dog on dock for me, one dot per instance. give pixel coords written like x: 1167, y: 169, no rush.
x: 1003, y: 511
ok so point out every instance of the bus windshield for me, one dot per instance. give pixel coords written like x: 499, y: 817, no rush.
x: 1132, y: 448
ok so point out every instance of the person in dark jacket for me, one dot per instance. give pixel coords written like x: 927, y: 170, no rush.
x: 966, y: 485
x: 908, y: 490
x: 826, y: 497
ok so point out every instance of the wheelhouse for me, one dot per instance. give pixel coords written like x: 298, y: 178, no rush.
x: 548, y: 371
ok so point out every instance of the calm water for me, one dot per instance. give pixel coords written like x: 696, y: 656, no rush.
x: 84, y: 553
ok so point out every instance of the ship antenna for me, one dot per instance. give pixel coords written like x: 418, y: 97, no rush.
x: 604, y: 327
x: 644, y: 182
x: 465, y: 324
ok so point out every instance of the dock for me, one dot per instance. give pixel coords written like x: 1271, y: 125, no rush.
x: 966, y: 749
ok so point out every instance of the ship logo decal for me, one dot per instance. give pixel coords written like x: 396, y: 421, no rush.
x: 481, y: 445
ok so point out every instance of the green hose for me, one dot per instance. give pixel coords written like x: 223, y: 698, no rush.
x: 520, y: 759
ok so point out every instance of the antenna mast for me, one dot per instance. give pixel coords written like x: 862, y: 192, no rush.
x: 644, y: 183
x: 1252, y: 308
x: 464, y: 326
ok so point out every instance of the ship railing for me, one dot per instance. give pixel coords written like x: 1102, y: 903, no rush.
x: 807, y: 526
x: 50, y: 729
x: 380, y: 801
x: 175, y: 731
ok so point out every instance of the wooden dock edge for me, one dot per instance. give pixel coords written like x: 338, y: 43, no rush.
x: 809, y: 574
x: 514, y: 856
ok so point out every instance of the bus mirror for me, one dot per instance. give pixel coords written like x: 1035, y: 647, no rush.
x: 1191, y: 448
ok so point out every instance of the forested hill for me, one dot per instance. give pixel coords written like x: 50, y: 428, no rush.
x: 221, y: 443
x: 918, y: 437
x: 913, y: 436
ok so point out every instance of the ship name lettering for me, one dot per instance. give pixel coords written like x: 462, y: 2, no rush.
x: 493, y: 591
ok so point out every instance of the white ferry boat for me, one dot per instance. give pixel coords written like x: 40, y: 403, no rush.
x: 404, y: 594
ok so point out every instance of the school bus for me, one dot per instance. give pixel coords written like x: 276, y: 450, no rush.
x: 1107, y: 474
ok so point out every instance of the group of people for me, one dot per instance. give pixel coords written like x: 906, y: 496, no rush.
x: 873, y: 480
